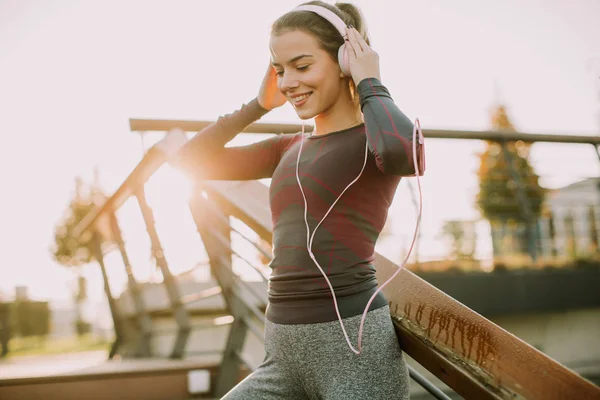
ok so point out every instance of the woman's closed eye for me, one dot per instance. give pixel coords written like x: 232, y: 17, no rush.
x: 299, y: 68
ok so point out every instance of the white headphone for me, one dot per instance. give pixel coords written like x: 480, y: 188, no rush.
x: 339, y: 25
x: 419, y: 170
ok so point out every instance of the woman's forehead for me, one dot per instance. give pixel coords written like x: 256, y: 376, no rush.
x: 290, y: 44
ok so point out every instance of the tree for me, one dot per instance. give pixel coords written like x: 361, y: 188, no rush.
x: 463, y: 238
x: 68, y: 250
x: 502, y: 170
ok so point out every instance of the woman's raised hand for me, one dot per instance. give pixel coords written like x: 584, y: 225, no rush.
x: 363, y: 60
x: 269, y: 96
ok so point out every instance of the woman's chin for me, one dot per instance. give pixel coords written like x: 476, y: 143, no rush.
x: 305, y: 114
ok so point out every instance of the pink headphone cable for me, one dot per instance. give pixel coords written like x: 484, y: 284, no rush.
x: 417, y: 132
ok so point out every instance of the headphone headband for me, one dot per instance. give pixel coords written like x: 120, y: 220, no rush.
x: 329, y: 15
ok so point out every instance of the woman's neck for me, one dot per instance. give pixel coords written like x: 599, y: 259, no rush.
x: 340, y: 116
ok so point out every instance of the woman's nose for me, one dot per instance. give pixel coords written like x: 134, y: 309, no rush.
x: 288, y: 82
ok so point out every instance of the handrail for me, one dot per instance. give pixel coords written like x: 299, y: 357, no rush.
x: 438, y: 331
x: 149, y: 164
x: 154, y: 158
x: 148, y: 125
x: 508, y: 136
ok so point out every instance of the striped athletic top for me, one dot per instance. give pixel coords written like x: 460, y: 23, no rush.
x: 344, y: 244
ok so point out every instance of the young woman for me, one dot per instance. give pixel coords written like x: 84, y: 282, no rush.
x: 322, y: 240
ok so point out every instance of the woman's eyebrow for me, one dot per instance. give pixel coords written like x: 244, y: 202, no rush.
x: 294, y: 59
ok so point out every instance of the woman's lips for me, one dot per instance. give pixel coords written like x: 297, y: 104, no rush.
x: 299, y: 101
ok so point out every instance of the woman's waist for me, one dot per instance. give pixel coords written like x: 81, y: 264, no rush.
x: 304, y: 309
x: 314, y: 289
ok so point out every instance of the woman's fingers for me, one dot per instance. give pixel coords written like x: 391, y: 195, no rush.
x: 353, y: 39
x: 350, y: 46
x: 360, y: 40
x: 363, y: 61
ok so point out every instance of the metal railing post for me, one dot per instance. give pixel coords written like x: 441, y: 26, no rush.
x: 96, y: 245
x: 179, y: 311
x: 142, y: 318
x: 221, y: 267
x: 4, y: 328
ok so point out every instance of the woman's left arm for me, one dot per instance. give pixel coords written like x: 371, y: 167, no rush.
x: 389, y: 131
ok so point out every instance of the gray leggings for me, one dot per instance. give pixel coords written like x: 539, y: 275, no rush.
x: 314, y: 361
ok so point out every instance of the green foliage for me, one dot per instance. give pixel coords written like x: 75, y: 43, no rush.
x: 68, y: 250
x: 25, y: 346
x: 82, y: 327
x: 497, y: 198
x: 30, y: 318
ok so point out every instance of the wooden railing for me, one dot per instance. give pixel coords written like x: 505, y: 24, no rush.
x: 470, y: 354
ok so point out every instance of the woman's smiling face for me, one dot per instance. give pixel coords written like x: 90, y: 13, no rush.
x: 308, y: 76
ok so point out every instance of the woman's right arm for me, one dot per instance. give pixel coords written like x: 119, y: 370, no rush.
x: 206, y: 157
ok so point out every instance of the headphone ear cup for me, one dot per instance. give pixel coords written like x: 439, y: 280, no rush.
x: 343, y: 60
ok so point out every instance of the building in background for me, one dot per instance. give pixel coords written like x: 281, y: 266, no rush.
x: 570, y: 226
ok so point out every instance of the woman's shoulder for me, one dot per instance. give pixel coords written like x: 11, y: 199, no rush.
x: 289, y: 139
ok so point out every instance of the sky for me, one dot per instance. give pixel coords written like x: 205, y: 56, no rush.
x: 72, y: 74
